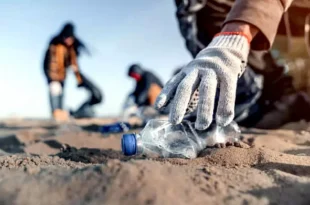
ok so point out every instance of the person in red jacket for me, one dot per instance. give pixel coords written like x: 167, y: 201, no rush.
x: 148, y: 86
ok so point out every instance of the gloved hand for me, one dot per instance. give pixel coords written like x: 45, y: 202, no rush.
x: 219, y: 64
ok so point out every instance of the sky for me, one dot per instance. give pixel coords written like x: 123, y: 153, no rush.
x: 117, y: 34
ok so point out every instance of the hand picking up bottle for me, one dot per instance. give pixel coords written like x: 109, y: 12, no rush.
x: 219, y: 65
x: 160, y: 138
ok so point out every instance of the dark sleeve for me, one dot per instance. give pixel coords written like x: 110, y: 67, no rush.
x: 177, y: 2
x: 50, y: 60
x: 47, y: 63
x: 142, y: 95
x: 158, y: 82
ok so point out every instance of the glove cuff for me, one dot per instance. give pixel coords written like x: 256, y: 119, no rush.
x: 234, y: 33
x: 233, y: 40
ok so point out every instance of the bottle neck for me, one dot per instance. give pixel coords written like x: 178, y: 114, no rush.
x: 139, y: 144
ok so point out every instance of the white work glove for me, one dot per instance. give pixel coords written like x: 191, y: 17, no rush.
x: 218, y: 65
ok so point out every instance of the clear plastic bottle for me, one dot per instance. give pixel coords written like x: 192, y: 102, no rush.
x: 161, y: 138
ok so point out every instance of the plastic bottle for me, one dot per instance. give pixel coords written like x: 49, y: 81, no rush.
x: 161, y: 138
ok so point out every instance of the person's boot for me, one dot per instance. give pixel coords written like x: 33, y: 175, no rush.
x: 61, y: 115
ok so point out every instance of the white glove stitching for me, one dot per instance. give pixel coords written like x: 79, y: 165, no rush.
x: 218, y: 65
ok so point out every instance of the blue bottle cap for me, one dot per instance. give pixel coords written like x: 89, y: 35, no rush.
x: 129, y: 144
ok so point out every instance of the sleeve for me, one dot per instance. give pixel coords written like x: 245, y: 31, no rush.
x: 142, y: 97
x: 75, y: 67
x: 263, y: 14
x: 46, y: 64
x: 52, y: 65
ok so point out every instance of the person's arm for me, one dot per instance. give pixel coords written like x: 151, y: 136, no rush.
x: 53, y: 64
x: 251, y: 24
x: 143, y: 94
x: 75, y: 68
x: 264, y: 15
x: 46, y: 64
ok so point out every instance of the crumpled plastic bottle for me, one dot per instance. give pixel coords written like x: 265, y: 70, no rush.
x: 160, y: 138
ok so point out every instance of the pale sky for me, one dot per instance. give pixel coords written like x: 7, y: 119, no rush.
x: 117, y: 34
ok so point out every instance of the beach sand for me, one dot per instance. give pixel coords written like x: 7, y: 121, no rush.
x: 43, y: 162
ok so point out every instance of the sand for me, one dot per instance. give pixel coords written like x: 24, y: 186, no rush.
x: 47, y: 163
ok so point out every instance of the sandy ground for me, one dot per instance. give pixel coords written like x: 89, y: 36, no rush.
x: 46, y: 163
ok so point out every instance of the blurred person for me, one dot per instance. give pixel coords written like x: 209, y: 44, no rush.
x: 138, y: 106
x: 234, y: 74
x: 148, y: 86
x: 140, y: 102
x: 62, y: 53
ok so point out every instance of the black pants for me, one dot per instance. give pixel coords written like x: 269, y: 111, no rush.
x: 85, y: 110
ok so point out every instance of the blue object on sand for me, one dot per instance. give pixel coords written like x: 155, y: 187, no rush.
x: 129, y: 144
x: 115, y: 128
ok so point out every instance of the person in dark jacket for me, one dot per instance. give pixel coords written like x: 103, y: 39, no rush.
x: 147, y: 88
x: 62, y: 53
